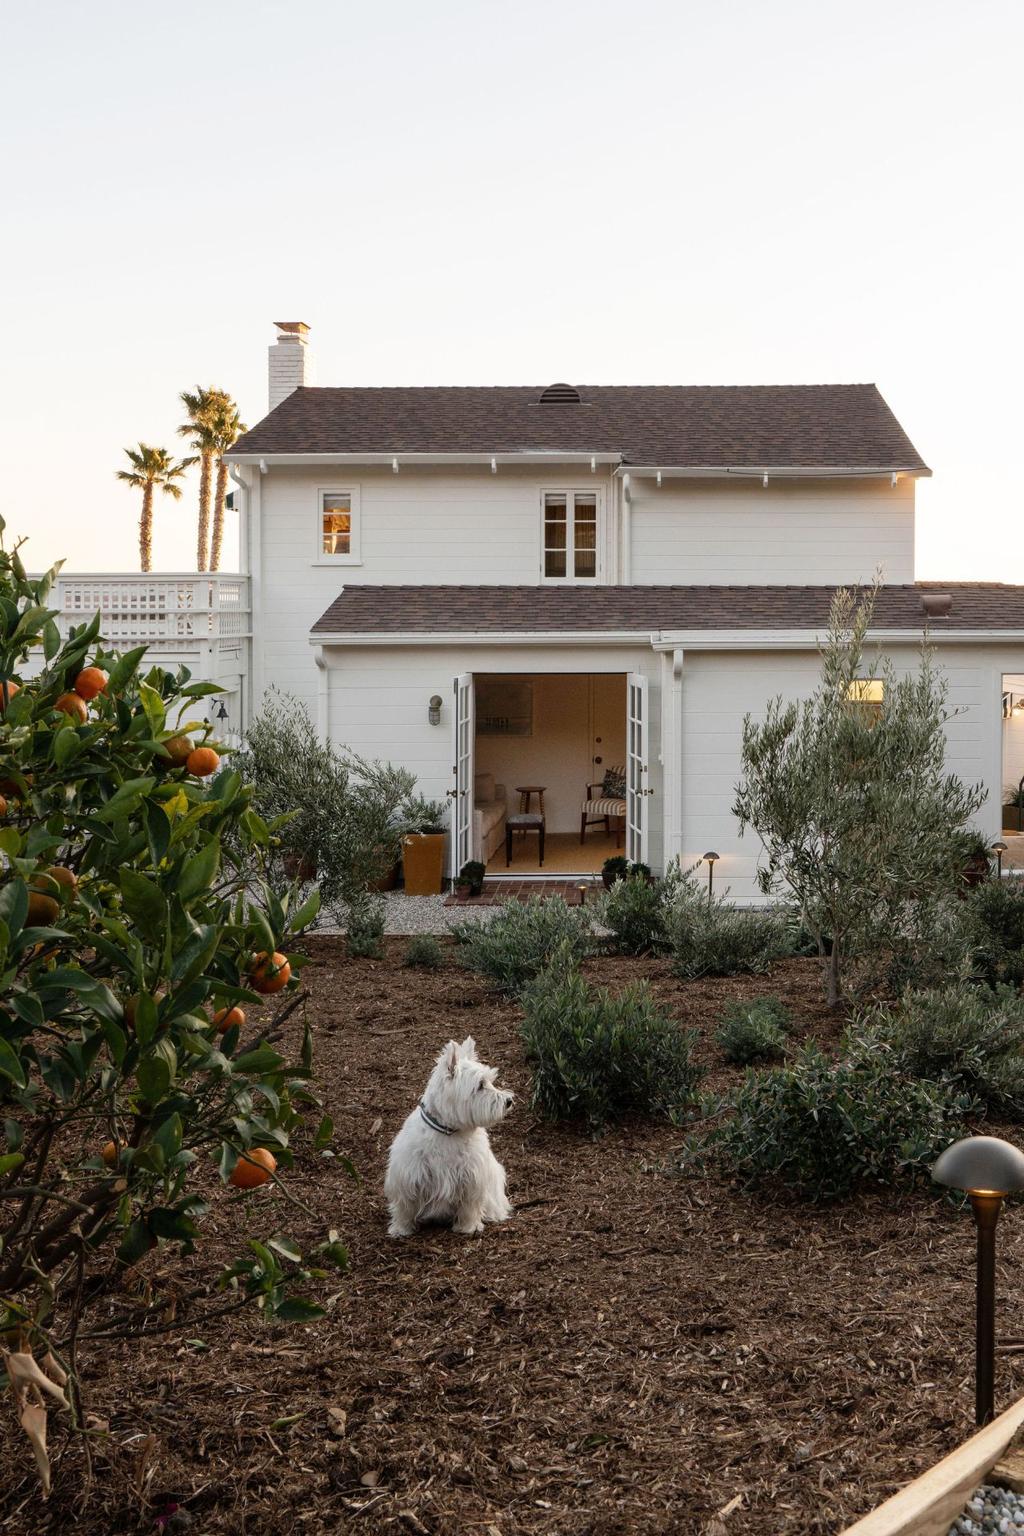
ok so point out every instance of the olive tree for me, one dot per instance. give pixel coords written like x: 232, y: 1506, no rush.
x: 849, y: 795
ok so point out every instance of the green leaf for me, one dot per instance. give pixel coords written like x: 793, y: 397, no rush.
x: 158, y: 830
x: 157, y: 1071
x: 14, y: 905
x: 51, y: 640
x: 66, y: 745
x: 146, y: 903
x: 306, y: 913
x: 137, y: 1241
x: 10, y: 842
x: 286, y: 1248
x: 263, y: 1059
x: 324, y: 1133
x: 199, y: 871
x: 153, y: 704
x: 10, y: 1161
x: 125, y: 668
x: 10, y: 1065
x: 295, y: 1310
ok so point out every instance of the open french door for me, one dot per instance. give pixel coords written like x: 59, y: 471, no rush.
x: 463, y: 747
x: 637, y: 790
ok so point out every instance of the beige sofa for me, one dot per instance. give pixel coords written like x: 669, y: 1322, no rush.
x: 489, y: 810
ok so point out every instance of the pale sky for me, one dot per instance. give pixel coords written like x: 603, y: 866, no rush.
x: 654, y: 192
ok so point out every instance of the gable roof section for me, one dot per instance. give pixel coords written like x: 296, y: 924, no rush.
x: 426, y: 610
x: 823, y: 426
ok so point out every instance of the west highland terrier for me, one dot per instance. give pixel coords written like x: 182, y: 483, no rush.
x: 441, y: 1167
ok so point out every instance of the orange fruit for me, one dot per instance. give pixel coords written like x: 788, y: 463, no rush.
x: 71, y: 704
x: 109, y: 1154
x: 12, y: 689
x: 253, y: 1168
x: 3, y: 807
x: 64, y: 877
x: 42, y: 909
x: 269, y: 973
x: 202, y: 762
x: 90, y: 682
x: 226, y: 1018
x: 178, y: 749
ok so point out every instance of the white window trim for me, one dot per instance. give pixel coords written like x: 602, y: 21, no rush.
x: 571, y: 492
x: 354, y: 557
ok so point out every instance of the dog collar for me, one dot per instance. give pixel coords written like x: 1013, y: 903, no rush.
x: 435, y: 1125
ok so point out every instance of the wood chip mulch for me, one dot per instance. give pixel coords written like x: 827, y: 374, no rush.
x: 633, y: 1353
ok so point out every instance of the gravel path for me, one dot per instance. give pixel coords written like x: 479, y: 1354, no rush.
x: 991, y: 1512
x: 412, y: 914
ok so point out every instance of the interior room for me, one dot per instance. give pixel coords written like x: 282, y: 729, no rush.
x: 549, y: 746
x: 1013, y: 769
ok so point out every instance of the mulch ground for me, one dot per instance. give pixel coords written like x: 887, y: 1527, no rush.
x: 633, y: 1352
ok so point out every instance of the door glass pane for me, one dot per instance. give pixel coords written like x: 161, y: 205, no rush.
x: 337, y: 525
x: 556, y: 518
x: 554, y: 563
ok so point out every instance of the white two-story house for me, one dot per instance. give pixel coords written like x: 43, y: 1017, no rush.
x: 515, y: 587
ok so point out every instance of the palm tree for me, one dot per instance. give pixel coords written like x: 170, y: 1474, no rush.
x: 204, y: 408
x: 228, y: 428
x: 152, y: 467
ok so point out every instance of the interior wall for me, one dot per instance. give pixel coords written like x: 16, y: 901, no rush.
x: 576, y: 718
x: 1013, y: 737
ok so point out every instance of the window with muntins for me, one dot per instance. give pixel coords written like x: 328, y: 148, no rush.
x: 338, y: 527
x: 570, y: 536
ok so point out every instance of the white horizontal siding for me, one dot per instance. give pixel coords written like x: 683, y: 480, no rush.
x: 793, y: 532
x: 719, y: 689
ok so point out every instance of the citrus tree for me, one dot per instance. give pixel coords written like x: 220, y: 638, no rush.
x: 130, y: 949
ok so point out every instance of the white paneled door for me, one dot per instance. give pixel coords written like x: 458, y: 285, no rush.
x: 637, y: 790
x: 463, y: 744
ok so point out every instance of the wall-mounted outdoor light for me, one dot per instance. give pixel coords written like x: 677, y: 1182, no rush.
x: 999, y: 849
x: 434, y: 709
x: 987, y: 1169
x: 711, y: 859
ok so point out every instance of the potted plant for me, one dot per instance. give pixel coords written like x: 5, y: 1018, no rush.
x: 1013, y: 810
x: 614, y: 869
x: 975, y: 858
x: 423, y: 839
x: 470, y: 879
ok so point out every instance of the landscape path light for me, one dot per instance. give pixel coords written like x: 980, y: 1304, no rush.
x: 711, y: 859
x: 999, y: 849
x: 987, y: 1169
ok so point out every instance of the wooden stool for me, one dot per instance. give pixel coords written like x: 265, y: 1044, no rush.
x: 525, y: 822
x: 526, y: 793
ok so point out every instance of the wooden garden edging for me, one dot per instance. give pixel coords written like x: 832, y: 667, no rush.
x: 929, y: 1505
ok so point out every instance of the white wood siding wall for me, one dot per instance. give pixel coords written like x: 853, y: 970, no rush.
x: 792, y: 532
x: 719, y: 688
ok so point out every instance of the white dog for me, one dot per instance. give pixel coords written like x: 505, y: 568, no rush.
x: 441, y: 1167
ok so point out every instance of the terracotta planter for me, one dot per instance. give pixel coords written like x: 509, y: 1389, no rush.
x: 386, y: 882
x: 299, y: 866
x: 976, y: 869
x: 423, y: 862
x: 463, y: 892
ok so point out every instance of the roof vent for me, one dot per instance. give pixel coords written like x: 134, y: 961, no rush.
x: 937, y: 605
x: 560, y: 394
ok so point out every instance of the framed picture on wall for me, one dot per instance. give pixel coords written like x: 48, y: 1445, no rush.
x: 504, y: 708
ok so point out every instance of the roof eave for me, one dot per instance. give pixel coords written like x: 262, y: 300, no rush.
x: 776, y: 471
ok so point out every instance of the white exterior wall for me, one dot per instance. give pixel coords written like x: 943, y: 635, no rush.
x: 792, y: 532
x: 719, y: 688
x: 376, y: 701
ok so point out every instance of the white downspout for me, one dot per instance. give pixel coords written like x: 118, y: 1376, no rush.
x: 248, y: 560
x: 627, y: 532
x: 323, y: 695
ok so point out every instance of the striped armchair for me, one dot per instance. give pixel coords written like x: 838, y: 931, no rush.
x: 606, y: 808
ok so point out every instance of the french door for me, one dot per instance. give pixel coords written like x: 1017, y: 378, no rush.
x: 463, y: 744
x: 637, y: 790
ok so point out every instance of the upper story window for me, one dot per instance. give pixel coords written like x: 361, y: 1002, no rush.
x: 338, y: 526
x: 570, y: 543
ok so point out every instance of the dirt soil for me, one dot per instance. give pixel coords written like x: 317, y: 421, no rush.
x: 632, y: 1353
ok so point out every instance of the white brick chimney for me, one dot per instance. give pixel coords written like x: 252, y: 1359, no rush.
x: 291, y: 362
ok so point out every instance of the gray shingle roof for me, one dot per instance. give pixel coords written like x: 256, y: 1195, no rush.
x: 828, y: 426
x: 464, y: 609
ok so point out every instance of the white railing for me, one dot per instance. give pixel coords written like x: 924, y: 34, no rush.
x: 161, y: 609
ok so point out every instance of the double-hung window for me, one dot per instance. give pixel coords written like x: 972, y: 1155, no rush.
x: 570, y: 536
x: 337, y: 533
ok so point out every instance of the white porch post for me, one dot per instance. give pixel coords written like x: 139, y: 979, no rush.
x: 672, y: 751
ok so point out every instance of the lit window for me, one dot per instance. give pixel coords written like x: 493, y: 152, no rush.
x: 570, y: 536
x: 338, y: 530
x: 868, y: 692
